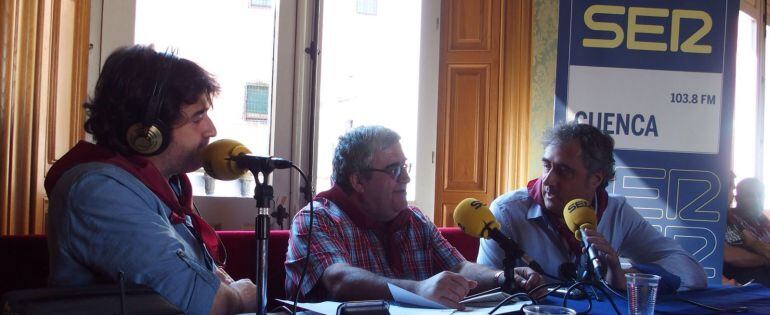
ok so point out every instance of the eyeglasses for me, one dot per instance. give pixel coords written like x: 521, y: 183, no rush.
x: 392, y: 170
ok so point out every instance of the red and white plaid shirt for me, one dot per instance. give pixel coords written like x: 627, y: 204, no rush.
x: 423, y: 251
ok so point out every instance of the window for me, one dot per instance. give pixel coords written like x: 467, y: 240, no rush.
x: 260, y: 3
x: 751, y: 120
x: 369, y: 7
x: 365, y: 87
x: 257, y: 102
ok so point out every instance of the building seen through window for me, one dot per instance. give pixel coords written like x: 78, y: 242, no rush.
x: 257, y: 102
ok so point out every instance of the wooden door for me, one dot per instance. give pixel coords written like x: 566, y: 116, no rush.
x: 483, y: 109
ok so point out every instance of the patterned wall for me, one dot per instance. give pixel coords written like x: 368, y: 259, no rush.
x: 545, y: 22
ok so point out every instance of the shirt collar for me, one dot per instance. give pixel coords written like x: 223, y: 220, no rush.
x: 534, y: 212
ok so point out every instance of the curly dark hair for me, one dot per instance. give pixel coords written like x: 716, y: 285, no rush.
x: 356, y: 149
x: 596, y: 146
x: 127, y: 84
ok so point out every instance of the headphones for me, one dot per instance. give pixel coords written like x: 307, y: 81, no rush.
x: 151, y: 135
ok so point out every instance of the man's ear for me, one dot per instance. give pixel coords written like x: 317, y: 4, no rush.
x: 355, y: 182
x: 596, y: 179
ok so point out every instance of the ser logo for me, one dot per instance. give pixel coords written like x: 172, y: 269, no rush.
x: 596, y: 18
x: 577, y: 204
x: 476, y: 204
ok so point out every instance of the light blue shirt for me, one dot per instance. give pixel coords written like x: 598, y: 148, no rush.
x: 630, y: 235
x: 103, y: 220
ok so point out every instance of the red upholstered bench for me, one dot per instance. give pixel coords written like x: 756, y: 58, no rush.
x: 25, y: 258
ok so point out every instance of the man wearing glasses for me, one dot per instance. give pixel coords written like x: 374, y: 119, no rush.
x: 365, y: 235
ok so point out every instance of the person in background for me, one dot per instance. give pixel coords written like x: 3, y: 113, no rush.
x: 122, y: 208
x: 578, y: 162
x: 365, y: 235
x: 747, y: 238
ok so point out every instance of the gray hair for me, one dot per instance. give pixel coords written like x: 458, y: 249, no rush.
x: 355, y: 150
x: 596, y: 146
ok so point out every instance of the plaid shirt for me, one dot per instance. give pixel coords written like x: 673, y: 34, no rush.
x: 336, y: 239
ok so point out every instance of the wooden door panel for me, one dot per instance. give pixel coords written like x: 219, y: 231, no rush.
x: 470, y: 25
x: 466, y: 132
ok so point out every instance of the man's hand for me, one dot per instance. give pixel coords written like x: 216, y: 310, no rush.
x: 613, y: 273
x: 528, y: 279
x: 234, y: 297
x: 447, y: 288
x: 247, y: 294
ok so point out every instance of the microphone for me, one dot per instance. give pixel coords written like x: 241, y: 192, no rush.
x: 228, y: 159
x: 578, y: 215
x: 475, y: 219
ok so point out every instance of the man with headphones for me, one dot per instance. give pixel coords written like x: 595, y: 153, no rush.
x: 122, y: 208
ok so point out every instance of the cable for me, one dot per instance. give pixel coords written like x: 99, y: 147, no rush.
x: 559, y: 285
x: 739, y: 309
x: 569, y: 290
x: 309, y: 194
x: 508, y: 299
x: 612, y: 302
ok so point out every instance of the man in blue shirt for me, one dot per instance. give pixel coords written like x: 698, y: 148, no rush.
x: 578, y: 163
x: 123, y: 206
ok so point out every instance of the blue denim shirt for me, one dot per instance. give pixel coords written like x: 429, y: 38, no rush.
x: 103, y: 220
x: 630, y: 235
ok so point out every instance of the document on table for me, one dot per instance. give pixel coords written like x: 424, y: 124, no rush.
x: 406, y: 302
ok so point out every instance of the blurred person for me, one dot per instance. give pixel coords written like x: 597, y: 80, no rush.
x: 747, y: 237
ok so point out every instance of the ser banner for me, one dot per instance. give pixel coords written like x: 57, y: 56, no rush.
x: 658, y: 75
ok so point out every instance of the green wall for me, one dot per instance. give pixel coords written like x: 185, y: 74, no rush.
x: 545, y: 21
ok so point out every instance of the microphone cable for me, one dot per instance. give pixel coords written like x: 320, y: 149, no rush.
x: 571, y: 286
x: 309, y: 194
x: 528, y: 295
x: 739, y: 309
x: 508, y: 299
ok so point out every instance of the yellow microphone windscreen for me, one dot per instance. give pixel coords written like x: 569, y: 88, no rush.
x: 474, y: 218
x: 578, y: 214
x: 216, y: 159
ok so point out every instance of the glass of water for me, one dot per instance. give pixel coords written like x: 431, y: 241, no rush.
x: 642, y: 289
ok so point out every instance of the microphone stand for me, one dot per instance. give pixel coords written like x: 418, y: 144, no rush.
x: 509, y: 265
x: 588, y: 280
x: 263, y: 194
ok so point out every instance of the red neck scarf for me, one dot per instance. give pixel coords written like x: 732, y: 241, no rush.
x: 148, y: 174
x: 534, y: 189
x: 385, y: 232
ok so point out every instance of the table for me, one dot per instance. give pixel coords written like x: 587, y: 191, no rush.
x: 754, y: 296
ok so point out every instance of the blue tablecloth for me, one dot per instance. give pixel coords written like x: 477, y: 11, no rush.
x: 755, y: 297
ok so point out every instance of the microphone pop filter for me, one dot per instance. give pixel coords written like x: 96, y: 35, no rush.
x: 474, y: 218
x: 579, y: 213
x: 217, y: 159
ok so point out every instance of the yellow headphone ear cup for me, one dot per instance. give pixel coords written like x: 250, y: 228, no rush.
x: 145, y: 140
